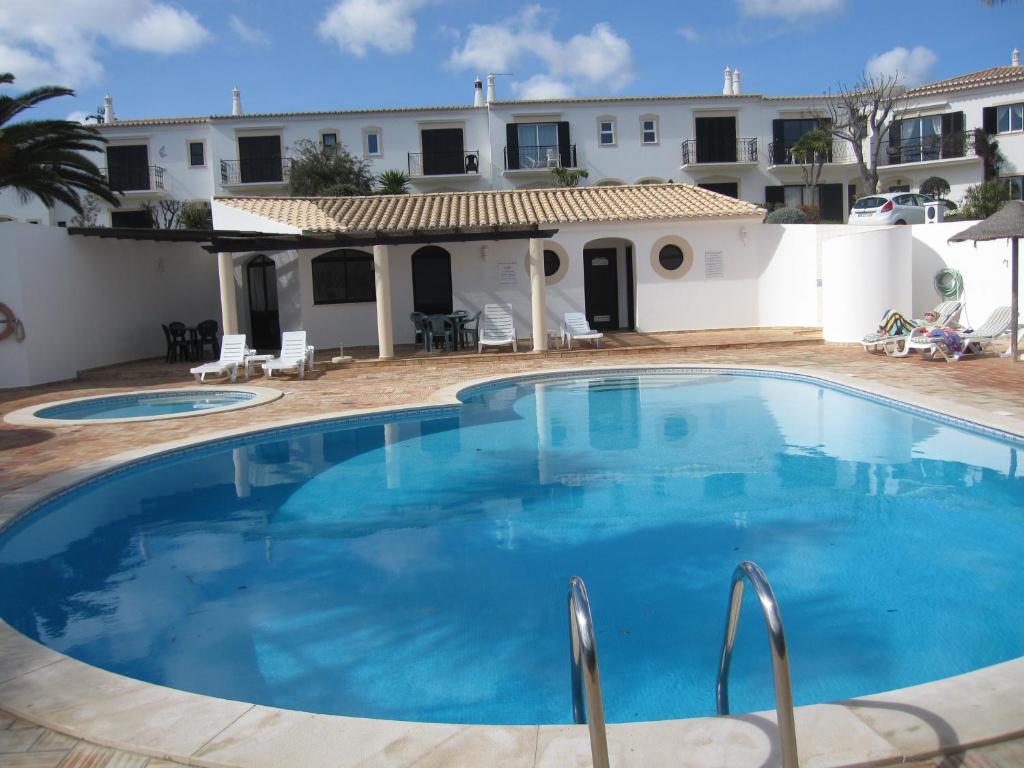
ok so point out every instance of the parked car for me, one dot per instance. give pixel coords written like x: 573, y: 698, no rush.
x: 889, y: 208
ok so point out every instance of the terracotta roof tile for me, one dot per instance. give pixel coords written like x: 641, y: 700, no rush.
x: 449, y: 211
x: 986, y: 77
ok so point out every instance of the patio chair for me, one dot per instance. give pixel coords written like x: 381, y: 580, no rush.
x: 293, y: 357
x: 417, y: 319
x: 232, y: 355
x: 895, y: 345
x: 169, y: 356
x: 439, y: 328
x: 998, y: 325
x: 469, y: 331
x: 181, y: 345
x: 575, y: 326
x: 497, y: 328
x: 206, y: 336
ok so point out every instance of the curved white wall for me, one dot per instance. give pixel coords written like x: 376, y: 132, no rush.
x: 864, y: 273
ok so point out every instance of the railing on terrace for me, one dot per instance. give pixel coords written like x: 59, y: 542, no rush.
x: 695, y: 151
x: 781, y: 153
x: 540, y: 157
x: 137, y: 178
x: 255, y: 170
x: 444, y: 163
x: 928, y: 148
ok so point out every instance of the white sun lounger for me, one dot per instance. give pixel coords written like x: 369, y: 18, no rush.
x: 497, y: 328
x: 294, y: 355
x: 948, y: 312
x: 575, y: 326
x: 981, y: 340
x: 232, y: 355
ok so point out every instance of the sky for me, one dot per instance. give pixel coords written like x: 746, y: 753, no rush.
x: 182, y: 57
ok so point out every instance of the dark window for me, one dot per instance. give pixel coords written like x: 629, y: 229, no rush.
x: 342, y: 277
x: 196, y: 155
x: 1015, y: 185
x: 259, y: 158
x: 786, y: 133
x: 139, y: 219
x: 329, y: 142
x: 443, y: 151
x: 128, y: 167
x: 432, y: 281
x: 716, y: 139
x: 731, y: 189
x: 671, y: 257
x: 552, y: 262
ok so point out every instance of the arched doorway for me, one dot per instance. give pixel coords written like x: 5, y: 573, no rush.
x: 608, y: 284
x: 432, y: 281
x: 264, y: 324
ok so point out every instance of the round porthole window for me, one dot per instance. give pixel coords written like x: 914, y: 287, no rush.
x: 552, y: 263
x: 671, y: 257
x: 556, y: 262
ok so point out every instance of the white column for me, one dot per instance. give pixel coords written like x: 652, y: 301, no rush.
x: 538, y: 295
x: 228, y: 303
x: 382, y: 284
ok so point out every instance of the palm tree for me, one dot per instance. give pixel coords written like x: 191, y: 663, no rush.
x: 45, y: 157
x: 392, y: 182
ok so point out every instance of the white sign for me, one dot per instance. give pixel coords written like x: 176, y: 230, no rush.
x: 713, y: 266
x: 507, y: 273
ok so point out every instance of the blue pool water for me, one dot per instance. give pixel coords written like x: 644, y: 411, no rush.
x: 415, y: 566
x: 143, y: 404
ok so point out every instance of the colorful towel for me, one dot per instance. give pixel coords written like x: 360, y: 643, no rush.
x: 950, y: 339
x: 895, y: 324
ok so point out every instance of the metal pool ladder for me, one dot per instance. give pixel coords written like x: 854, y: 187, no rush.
x: 780, y: 657
x: 586, y: 677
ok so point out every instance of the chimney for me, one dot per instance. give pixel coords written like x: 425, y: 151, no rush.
x: 1015, y: 58
x: 478, y: 93
x: 490, y: 88
x: 727, y: 87
x: 108, y: 109
x: 736, y: 82
x: 236, y: 101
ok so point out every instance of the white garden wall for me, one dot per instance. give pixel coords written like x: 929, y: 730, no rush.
x: 88, y: 302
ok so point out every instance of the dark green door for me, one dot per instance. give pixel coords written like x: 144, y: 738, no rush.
x: 601, y: 287
x: 261, y: 275
x: 442, y: 151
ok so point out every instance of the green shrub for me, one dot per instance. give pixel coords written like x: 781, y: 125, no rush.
x: 934, y: 187
x: 982, y: 200
x: 786, y: 216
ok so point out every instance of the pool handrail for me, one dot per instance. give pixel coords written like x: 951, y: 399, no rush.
x: 586, y: 676
x: 780, y: 658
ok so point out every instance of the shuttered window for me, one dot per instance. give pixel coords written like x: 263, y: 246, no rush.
x: 343, y: 276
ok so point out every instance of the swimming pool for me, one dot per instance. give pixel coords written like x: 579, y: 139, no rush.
x: 143, y: 405
x: 414, y: 566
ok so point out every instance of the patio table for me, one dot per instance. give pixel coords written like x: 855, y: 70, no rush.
x: 251, y: 360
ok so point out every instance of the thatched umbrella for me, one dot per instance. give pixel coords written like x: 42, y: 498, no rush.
x: 1006, y: 223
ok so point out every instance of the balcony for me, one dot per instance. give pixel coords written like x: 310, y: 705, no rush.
x: 255, y: 170
x: 541, y: 158
x: 714, y: 153
x: 781, y: 153
x: 427, y: 164
x: 133, y: 180
x: 928, y: 149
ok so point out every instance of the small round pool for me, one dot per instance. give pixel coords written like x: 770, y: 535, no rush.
x: 413, y: 565
x: 142, y: 406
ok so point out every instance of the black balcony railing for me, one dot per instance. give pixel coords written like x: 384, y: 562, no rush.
x: 443, y: 163
x: 544, y: 157
x: 928, y: 148
x: 781, y: 153
x: 696, y: 151
x: 255, y: 170
x: 135, y: 178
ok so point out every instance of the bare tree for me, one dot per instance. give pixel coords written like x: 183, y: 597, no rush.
x: 859, y: 115
x: 165, y: 213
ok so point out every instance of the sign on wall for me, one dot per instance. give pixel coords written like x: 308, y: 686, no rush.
x: 507, y: 273
x: 713, y: 266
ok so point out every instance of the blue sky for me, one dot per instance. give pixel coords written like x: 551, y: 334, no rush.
x: 166, y: 57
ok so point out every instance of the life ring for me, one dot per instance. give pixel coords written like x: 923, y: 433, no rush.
x: 10, y: 325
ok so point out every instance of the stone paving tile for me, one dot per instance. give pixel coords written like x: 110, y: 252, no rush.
x: 33, y: 760
x: 6, y: 721
x: 86, y: 755
x: 20, y: 740
x: 51, y: 740
x: 128, y: 760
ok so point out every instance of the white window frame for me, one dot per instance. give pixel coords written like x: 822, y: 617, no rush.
x: 613, y: 122
x: 374, y: 130
x: 1009, y: 109
x: 330, y: 132
x: 188, y: 153
x: 656, y: 129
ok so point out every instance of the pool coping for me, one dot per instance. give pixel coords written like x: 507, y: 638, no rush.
x: 26, y: 417
x: 106, y: 708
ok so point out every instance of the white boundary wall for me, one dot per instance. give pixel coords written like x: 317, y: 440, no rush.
x: 87, y: 302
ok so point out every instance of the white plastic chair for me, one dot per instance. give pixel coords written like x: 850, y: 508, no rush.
x: 497, y: 328
x: 575, y: 326
x: 293, y: 357
x: 232, y: 355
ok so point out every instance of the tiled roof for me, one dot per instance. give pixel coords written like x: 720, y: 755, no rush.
x: 627, y: 99
x: 986, y: 77
x: 279, y: 115
x: 502, y: 209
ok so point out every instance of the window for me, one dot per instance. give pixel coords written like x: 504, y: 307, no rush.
x: 137, y: 219
x: 343, y: 276
x: 552, y: 262
x: 260, y: 159
x: 196, y: 154
x: 787, y: 132
x: 1010, y: 117
x: 649, y: 130
x: 373, y: 146
x: 329, y: 142
x: 538, y: 145
x: 1015, y: 185
x: 606, y: 131
x: 128, y: 167
x: 671, y: 257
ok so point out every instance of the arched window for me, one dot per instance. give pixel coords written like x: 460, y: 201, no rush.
x: 552, y: 263
x: 344, y: 276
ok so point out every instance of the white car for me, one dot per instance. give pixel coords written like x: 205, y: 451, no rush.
x: 890, y: 208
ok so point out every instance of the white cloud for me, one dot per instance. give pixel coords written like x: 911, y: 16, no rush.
x: 599, y: 57
x: 912, y: 66
x: 78, y: 116
x: 61, y: 41
x: 689, y: 34
x: 790, y: 9
x: 248, y: 33
x: 358, y: 25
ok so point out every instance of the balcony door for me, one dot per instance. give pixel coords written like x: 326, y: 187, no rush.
x: 259, y: 158
x: 716, y: 139
x: 538, y: 145
x: 128, y: 167
x: 442, y: 151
